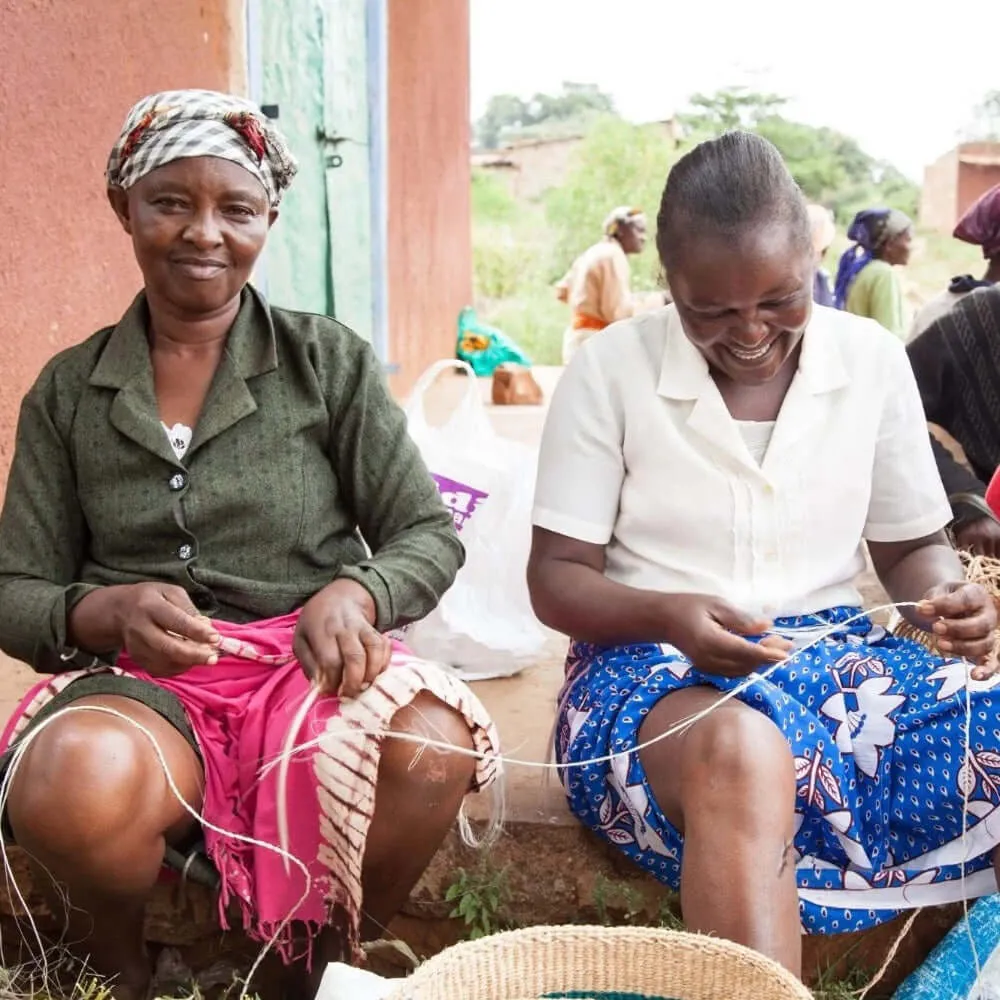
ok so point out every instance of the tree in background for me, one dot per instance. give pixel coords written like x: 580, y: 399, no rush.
x: 830, y: 167
x: 729, y: 108
x: 508, y: 116
x: 617, y: 164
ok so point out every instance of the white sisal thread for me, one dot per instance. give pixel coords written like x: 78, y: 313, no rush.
x: 678, y: 729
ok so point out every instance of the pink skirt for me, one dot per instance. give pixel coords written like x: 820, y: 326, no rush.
x: 241, y: 710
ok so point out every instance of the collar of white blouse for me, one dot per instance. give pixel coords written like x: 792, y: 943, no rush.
x: 684, y: 375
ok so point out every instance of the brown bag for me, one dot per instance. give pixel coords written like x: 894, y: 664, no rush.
x: 514, y: 385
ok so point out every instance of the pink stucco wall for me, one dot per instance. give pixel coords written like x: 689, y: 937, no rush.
x: 69, y: 71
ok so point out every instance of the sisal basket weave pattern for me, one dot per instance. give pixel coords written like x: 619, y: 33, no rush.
x: 978, y: 569
x: 599, y: 963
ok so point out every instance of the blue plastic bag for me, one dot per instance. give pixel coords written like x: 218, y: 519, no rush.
x: 484, y: 347
x: 950, y: 972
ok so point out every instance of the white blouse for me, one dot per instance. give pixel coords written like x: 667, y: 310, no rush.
x: 641, y: 455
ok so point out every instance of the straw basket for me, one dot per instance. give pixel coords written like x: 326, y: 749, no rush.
x: 599, y: 963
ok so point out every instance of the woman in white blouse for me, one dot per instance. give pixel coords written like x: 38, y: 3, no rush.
x: 709, y: 476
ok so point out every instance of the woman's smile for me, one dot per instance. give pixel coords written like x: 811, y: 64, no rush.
x: 199, y: 268
x: 752, y: 356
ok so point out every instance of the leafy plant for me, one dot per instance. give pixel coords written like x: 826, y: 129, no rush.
x: 611, y: 897
x: 502, y: 268
x: 508, y: 116
x: 492, y: 202
x: 833, y: 986
x: 668, y: 918
x: 480, y: 899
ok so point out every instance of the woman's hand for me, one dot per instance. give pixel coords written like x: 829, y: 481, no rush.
x: 981, y: 537
x: 709, y: 632
x: 155, y: 623
x: 336, y: 641
x: 964, y: 619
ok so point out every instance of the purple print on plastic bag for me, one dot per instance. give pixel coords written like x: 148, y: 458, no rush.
x: 460, y: 499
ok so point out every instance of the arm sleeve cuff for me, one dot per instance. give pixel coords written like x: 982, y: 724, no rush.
x: 369, y: 577
x: 571, y: 527
x: 920, y: 527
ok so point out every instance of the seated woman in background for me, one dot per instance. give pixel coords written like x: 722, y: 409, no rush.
x: 823, y: 231
x: 980, y: 226
x: 709, y: 474
x: 186, y: 517
x: 956, y: 361
x: 866, y: 283
x: 597, y: 286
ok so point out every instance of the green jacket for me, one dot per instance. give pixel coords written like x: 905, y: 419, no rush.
x: 300, y: 457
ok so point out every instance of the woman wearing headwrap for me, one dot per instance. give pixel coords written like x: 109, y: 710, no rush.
x: 823, y: 230
x: 597, y: 288
x: 214, y: 508
x: 866, y: 283
x: 980, y: 226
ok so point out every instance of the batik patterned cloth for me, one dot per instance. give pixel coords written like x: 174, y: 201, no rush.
x: 877, y: 730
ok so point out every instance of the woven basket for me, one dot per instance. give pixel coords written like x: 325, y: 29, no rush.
x: 599, y: 963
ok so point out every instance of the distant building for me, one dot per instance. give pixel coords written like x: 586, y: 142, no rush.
x: 532, y: 166
x: 955, y: 181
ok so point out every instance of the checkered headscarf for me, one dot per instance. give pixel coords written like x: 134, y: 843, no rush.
x: 185, y: 123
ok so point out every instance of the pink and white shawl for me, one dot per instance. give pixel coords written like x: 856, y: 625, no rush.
x: 241, y: 709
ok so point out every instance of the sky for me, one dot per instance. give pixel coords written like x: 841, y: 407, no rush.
x: 902, y: 83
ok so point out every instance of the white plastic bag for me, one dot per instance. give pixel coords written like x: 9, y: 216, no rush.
x: 341, y: 982
x: 484, y: 626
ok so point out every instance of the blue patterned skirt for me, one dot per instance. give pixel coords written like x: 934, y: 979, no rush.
x: 877, y: 729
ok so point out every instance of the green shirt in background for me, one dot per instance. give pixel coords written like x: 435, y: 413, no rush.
x: 300, y: 457
x: 877, y: 293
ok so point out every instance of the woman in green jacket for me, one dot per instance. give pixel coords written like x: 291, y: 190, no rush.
x: 215, y: 511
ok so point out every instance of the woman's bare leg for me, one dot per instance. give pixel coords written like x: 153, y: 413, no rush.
x: 417, y: 799
x: 90, y: 801
x: 728, y: 785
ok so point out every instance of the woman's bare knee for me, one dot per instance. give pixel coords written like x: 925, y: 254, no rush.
x: 88, y: 778
x: 409, y: 760
x: 734, y: 761
x: 738, y: 766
